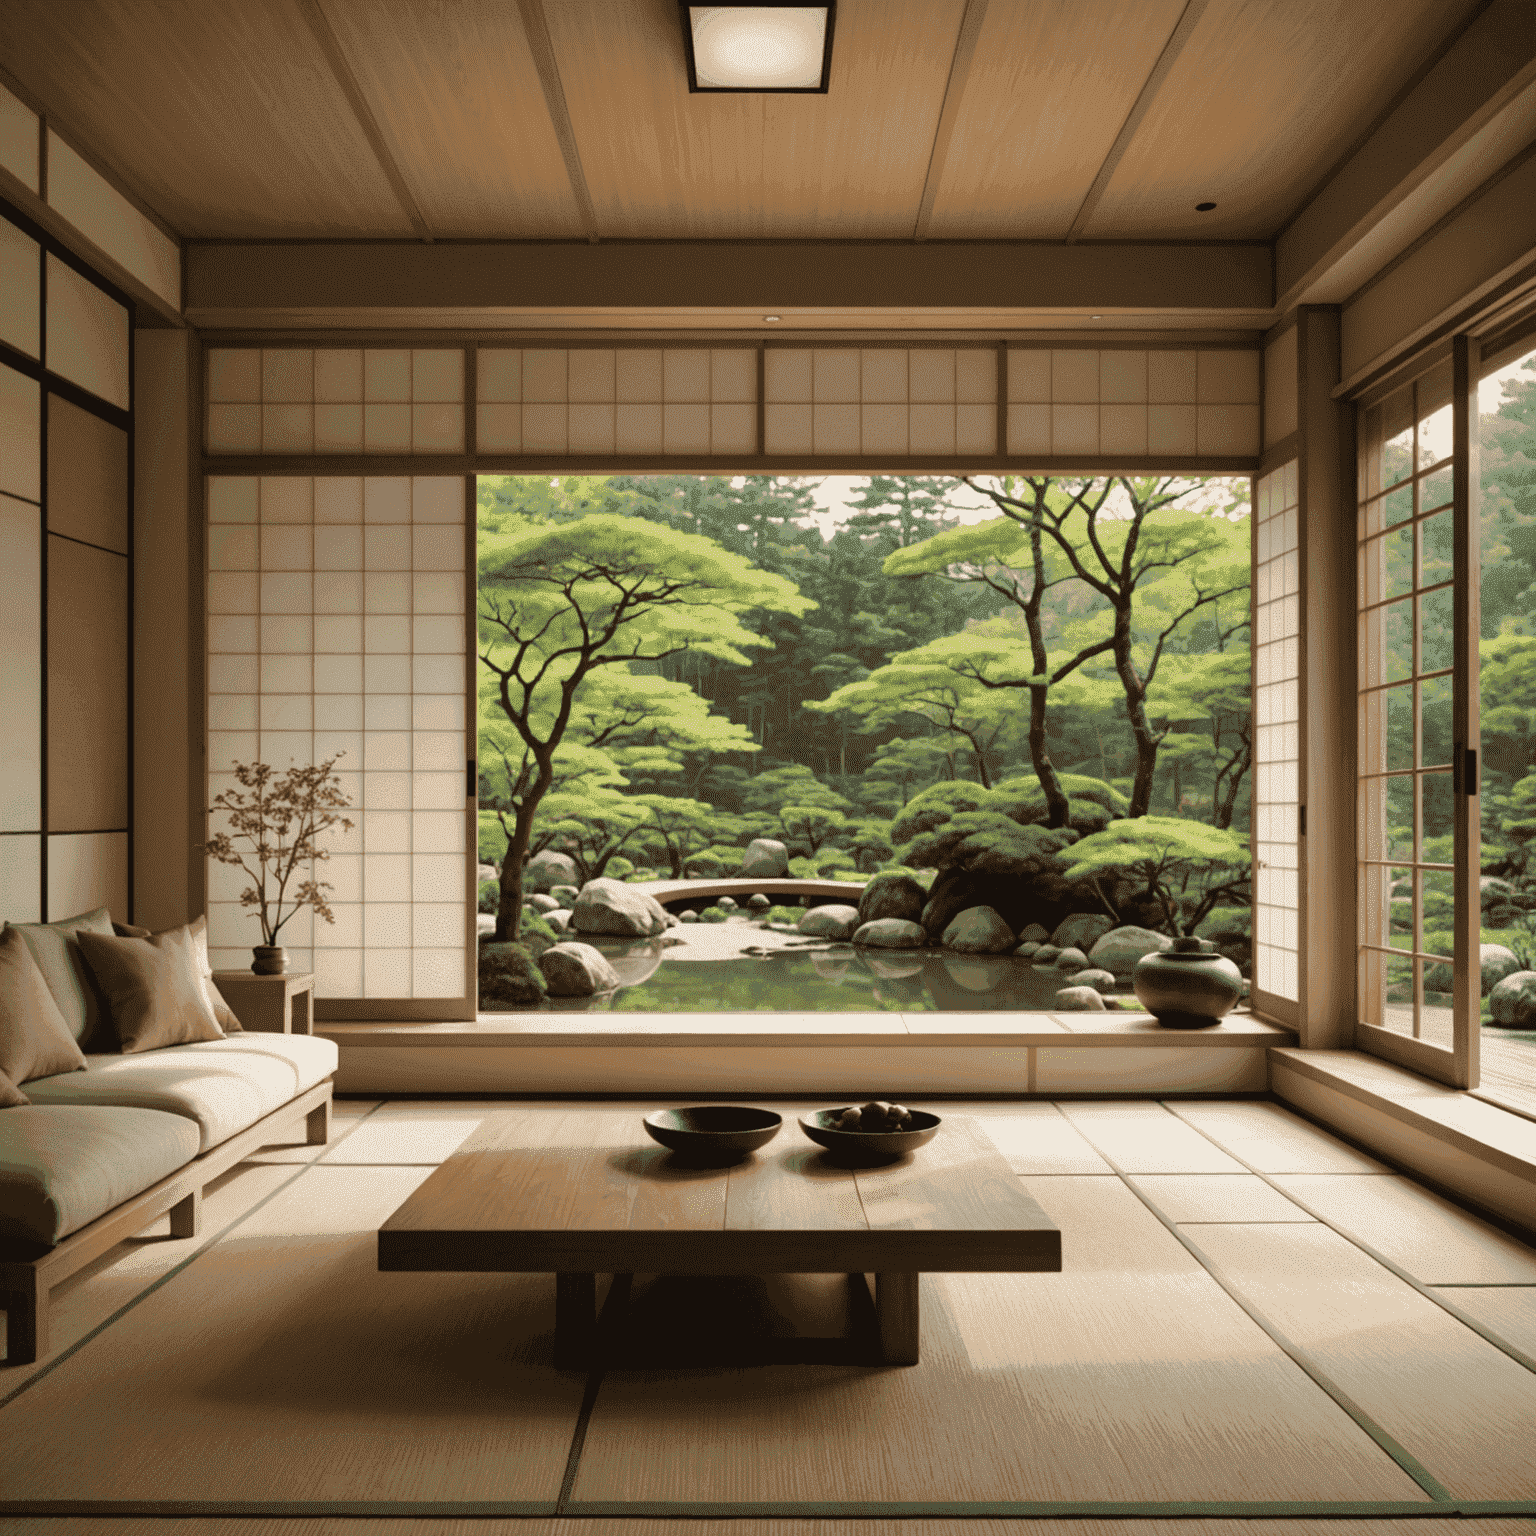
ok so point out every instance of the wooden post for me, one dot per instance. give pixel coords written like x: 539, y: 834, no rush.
x: 1330, y: 693
x: 26, y: 1318
x: 187, y: 1215
x: 896, y: 1316
x: 575, y: 1320
x: 317, y: 1125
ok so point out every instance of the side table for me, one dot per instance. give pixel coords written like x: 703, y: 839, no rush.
x: 282, y: 1005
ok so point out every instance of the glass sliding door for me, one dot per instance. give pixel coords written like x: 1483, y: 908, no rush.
x: 1417, y: 679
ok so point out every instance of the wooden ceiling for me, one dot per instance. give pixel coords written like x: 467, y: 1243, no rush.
x: 1018, y: 120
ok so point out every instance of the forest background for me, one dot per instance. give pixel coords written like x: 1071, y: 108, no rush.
x: 865, y: 683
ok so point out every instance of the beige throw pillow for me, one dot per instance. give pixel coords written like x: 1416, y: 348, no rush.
x: 10, y: 1094
x: 153, y: 989
x: 198, y: 928
x: 34, y: 1039
x: 58, y: 957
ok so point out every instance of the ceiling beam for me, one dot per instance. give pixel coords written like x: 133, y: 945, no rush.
x: 1454, y: 130
x: 342, y: 71
x: 241, y: 282
x: 954, y: 90
x: 1143, y: 104
x: 536, y: 29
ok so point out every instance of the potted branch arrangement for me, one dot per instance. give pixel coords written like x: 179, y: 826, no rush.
x: 281, y: 817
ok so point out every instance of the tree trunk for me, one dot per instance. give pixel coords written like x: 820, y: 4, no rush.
x: 1136, y: 711
x: 509, y: 911
x: 1040, y: 757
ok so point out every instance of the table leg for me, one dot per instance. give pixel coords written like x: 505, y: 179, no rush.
x: 575, y: 1319
x: 896, y: 1316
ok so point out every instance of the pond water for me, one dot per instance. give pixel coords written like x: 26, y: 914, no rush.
x: 708, y: 972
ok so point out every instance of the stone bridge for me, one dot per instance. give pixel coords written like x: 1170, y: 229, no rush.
x: 674, y: 892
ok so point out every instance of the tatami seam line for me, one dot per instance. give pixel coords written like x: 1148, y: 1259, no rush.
x: 1519, y: 1356
x: 1405, y: 1460
x: 170, y: 1274
x: 808, y: 1509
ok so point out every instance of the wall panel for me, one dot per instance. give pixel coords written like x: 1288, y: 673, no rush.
x: 20, y: 273
x: 87, y: 334
x: 21, y: 703
x: 18, y: 139
x: 87, y: 688
x: 87, y: 477
x: 21, y: 878
x: 21, y: 417
x: 87, y: 870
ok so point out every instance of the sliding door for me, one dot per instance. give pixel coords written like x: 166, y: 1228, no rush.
x: 1418, y: 723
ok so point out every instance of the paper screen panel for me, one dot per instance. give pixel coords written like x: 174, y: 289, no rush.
x: 336, y: 625
x: 1277, y: 702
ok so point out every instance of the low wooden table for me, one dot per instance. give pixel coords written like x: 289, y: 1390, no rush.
x: 283, y: 1004
x: 584, y: 1192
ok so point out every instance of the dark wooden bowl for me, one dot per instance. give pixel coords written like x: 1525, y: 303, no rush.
x: 820, y: 1124
x: 713, y: 1129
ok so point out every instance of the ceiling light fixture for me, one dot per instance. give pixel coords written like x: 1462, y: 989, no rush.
x: 770, y: 318
x: 759, y: 46
x: 1204, y: 207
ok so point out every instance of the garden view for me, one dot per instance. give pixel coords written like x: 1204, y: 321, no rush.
x: 1029, y: 694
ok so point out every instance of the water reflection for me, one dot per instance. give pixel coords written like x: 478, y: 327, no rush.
x: 835, y: 979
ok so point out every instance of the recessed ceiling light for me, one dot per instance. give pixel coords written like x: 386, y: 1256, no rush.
x: 759, y: 46
x: 770, y: 317
x: 1204, y: 207
x: 1095, y: 317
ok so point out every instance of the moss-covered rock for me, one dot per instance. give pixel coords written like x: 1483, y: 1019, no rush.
x: 509, y: 976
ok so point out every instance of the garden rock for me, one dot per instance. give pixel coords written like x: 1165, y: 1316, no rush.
x: 765, y: 859
x: 830, y: 922
x: 979, y: 931
x: 485, y: 922
x: 1121, y: 948
x: 1082, y: 930
x: 1034, y: 934
x: 565, y: 895
x: 508, y: 975
x: 542, y: 903
x: 1497, y: 963
x: 726, y: 903
x: 1071, y: 960
x: 1078, y: 1000
x: 1102, y: 982
x: 1513, y: 1002
x: 576, y: 970
x: 484, y: 872
x: 892, y: 895
x: 1046, y: 954
x: 891, y: 933
x: 559, y: 920
x: 888, y: 969
x: 610, y: 906
x: 759, y: 903
x: 548, y: 869
x: 1027, y: 951
x: 690, y: 916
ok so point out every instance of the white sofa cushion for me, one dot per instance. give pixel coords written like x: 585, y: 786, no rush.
x: 63, y: 1165
x: 222, y: 1085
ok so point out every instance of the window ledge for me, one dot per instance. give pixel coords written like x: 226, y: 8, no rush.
x: 1474, y: 1149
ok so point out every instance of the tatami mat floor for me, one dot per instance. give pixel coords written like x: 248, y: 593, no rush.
x: 1257, y: 1328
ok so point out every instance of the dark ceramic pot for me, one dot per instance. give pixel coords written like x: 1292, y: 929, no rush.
x: 1186, y: 987
x: 271, y: 960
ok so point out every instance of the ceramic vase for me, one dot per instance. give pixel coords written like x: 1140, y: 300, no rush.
x: 1186, y: 987
x: 271, y: 960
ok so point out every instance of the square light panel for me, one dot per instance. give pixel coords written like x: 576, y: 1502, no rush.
x: 758, y: 47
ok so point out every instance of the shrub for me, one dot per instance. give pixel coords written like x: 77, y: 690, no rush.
x: 508, y: 975
x: 790, y: 915
x: 619, y: 867
x: 490, y: 897
x: 713, y: 915
x: 704, y: 866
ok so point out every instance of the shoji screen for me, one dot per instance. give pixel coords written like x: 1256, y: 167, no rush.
x: 336, y: 625
x: 1277, y: 701
x: 65, y: 580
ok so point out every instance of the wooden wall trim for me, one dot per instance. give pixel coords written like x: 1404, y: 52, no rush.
x: 254, y: 279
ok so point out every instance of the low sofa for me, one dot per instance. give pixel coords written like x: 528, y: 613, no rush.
x: 95, y: 1153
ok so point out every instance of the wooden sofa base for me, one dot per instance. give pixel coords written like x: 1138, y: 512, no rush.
x: 25, y: 1283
